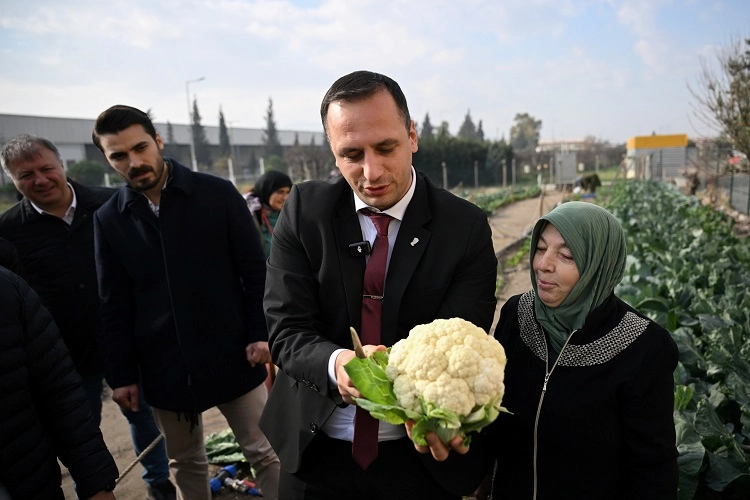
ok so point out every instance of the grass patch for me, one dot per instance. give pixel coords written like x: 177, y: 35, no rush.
x: 522, y: 252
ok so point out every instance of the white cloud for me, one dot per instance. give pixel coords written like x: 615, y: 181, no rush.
x: 131, y: 25
x: 75, y: 58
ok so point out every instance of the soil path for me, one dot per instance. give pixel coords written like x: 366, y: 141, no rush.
x: 510, y: 227
x: 510, y: 224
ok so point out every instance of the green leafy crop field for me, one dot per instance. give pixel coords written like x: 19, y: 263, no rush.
x: 690, y: 273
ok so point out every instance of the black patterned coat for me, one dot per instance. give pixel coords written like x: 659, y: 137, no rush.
x: 605, y: 426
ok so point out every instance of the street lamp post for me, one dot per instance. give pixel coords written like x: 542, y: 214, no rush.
x: 190, y: 121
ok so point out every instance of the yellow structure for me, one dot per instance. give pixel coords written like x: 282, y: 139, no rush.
x: 658, y: 156
x: 658, y: 141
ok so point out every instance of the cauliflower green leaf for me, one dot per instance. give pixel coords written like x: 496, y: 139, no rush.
x: 368, y: 375
x: 393, y: 414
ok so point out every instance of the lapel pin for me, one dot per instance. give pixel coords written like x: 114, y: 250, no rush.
x: 414, y: 241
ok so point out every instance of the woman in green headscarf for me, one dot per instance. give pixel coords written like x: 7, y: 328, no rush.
x: 588, y: 380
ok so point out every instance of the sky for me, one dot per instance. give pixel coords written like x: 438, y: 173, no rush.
x: 604, y: 68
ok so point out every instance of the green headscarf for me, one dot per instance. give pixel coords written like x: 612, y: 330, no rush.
x: 597, y: 242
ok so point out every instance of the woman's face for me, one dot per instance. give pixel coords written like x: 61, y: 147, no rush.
x: 277, y: 198
x: 554, y: 268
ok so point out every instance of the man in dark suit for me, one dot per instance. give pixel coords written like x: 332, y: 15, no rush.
x: 52, y: 229
x: 441, y: 264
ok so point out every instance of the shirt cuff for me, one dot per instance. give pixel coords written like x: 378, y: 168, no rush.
x: 332, y: 367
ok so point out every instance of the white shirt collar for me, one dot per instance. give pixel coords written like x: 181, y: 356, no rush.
x: 398, y: 210
x: 69, y: 213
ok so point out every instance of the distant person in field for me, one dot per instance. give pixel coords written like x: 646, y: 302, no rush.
x: 265, y: 202
x: 181, y: 277
x: 52, y: 228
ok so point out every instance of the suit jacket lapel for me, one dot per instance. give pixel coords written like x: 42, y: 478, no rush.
x: 346, y: 230
x: 405, y: 258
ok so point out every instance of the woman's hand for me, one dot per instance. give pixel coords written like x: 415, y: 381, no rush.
x: 438, y: 449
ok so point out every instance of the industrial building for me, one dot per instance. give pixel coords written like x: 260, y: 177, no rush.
x: 72, y: 136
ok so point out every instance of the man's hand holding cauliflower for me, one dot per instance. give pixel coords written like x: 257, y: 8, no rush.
x: 446, y: 378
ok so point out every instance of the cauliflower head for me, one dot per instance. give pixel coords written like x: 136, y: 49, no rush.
x: 450, y: 363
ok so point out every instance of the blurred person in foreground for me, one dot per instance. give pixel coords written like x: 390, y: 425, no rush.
x: 181, y: 275
x: 265, y: 202
x: 588, y: 380
x: 440, y: 262
x: 52, y: 228
x: 44, y: 412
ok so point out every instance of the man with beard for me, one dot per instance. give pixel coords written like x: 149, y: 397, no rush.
x: 52, y: 230
x: 181, y: 276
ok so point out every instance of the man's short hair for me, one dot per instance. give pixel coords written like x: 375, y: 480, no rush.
x: 359, y: 86
x: 25, y: 147
x: 117, y: 118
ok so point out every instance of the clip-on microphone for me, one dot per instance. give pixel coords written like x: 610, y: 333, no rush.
x: 361, y: 248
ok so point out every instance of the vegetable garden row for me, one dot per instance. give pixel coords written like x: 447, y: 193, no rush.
x: 689, y: 272
x: 504, y: 196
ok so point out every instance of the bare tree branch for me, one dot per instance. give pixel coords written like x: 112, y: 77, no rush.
x: 722, y: 96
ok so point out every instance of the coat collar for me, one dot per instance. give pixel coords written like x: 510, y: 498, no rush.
x: 608, y: 331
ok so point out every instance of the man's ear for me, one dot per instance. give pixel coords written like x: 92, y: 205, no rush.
x: 413, y: 137
x: 159, y: 142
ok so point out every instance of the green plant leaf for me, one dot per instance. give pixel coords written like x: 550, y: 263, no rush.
x: 683, y: 395
x: 393, y: 414
x: 370, y: 379
x: 654, y: 304
x: 723, y: 471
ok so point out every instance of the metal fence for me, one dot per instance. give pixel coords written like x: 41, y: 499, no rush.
x: 737, y: 186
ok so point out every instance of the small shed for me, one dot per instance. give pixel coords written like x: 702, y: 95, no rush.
x: 658, y: 156
x: 565, y: 168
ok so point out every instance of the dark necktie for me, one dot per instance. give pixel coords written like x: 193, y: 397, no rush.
x: 365, y: 443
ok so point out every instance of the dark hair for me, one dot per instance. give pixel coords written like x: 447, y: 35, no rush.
x: 360, y: 85
x: 25, y: 147
x: 119, y: 117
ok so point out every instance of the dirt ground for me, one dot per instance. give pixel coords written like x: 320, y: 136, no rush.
x: 509, y: 224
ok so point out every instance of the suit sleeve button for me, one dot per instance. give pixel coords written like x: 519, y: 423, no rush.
x: 313, y: 428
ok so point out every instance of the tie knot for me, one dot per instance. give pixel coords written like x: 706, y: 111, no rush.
x: 380, y: 220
